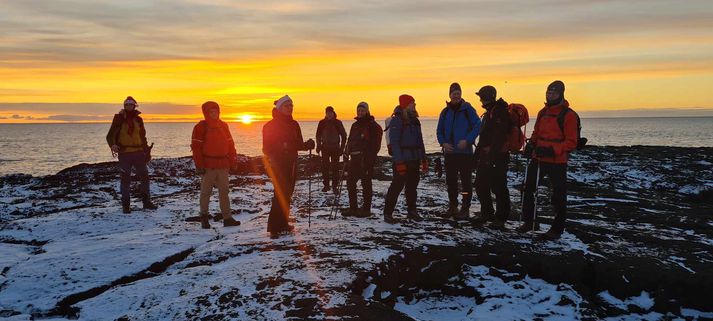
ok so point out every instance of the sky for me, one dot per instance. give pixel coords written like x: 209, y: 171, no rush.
x: 77, y: 60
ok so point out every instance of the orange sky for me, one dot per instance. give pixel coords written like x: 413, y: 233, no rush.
x: 171, y: 58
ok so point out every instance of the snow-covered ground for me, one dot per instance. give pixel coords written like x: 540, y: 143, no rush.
x: 632, y: 251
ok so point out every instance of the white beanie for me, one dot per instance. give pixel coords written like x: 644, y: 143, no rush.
x: 364, y: 105
x: 279, y: 102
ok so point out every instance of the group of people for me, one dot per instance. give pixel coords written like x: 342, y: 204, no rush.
x: 555, y: 135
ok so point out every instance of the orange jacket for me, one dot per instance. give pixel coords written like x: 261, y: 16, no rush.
x: 548, y: 133
x: 213, y: 145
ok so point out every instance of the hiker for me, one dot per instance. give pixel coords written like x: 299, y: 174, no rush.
x: 331, y: 138
x: 127, y: 138
x: 492, y: 158
x: 458, y: 126
x: 364, y: 144
x: 408, y: 152
x: 281, y: 139
x: 214, y: 156
x: 550, y: 145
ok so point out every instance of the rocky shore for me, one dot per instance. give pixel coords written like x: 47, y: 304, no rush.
x: 638, y: 245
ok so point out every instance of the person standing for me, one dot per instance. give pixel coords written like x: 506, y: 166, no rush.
x: 127, y: 138
x: 458, y: 126
x: 214, y: 156
x: 364, y: 144
x: 408, y: 152
x: 331, y: 138
x: 281, y: 139
x: 550, y: 145
x: 493, y: 159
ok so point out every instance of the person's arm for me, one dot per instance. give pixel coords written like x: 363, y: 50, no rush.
x: 474, y: 124
x: 535, y: 132
x: 142, y: 132
x: 440, y: 128
x: 197, y: 144
x: 500, y: 130
x: 343, y: 135
x: 318, y: 135
x: 111, y: 135
x: 423, y: 147
x: 232, y: 153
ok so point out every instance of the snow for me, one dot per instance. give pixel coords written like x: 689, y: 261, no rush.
x: 643, y: 301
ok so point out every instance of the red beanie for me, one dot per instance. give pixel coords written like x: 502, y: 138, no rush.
x: 405, y: 100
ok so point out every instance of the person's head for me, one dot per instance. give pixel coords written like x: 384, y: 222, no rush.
x: 487, y: 95
x: 284, y: 105
x: 130, y: 103
x: 407, y: 102
x: 211, y: 110
x: 454, y: 92
x: 555, y: 93
x: 329, y: 113
x: 362, y: 109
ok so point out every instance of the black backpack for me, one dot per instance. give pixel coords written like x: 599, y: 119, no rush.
x: 581, y: 141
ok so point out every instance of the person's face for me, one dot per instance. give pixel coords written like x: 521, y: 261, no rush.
x: 411, y: 106
x: 456, y: 96
x: 214, y: 114
x: 129, y: 107
x: 361, y: 112
x: 330, y: 115
x: 286, y: 108
x: 552, y: 95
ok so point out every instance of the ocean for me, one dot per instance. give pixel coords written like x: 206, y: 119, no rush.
x: 42, y: 149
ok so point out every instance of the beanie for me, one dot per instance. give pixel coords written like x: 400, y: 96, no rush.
x: 405, y: 100
x: 454, y: 86
x: 281, y: 101
x: 130, y: 100
x: 364, y: 105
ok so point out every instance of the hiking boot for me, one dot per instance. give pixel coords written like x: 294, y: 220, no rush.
x: 334, y: 190
x: 349, y: 212
x: 363, y: 212
x: 126, y: 207
x: 325, y: 189
x: 389, y: 219
x: 481, y: 219
x: 204, y: 222
x: 148, y: 205
x: 552, y: 234
x: 413, y: 215
x: 463, y: 214
x: 526, y: 227
x: 452, y: 211
x: 230, y: 222
x: 497, y: 225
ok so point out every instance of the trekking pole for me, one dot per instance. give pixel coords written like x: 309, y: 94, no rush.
x: 522, y: 190
x: 335, y: 205
x: 309, y: 191
x: 537, y: 189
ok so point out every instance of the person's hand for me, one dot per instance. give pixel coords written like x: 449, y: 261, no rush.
x: 233, y: 169
x: 544, y: 151
x: 318, y: 150
x: 115, y: 148
x: 448, y: 148
x: 529, y: 148
x: 309, y: 144
x: 401, y: 168
x: 424, y: 166
x: 200, y: 171
x: 462, y: 144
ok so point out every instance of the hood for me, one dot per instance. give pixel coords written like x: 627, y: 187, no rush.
x: 276, y: 114
x: 563, y: 104
x: 206, y: 107
x: 367, y: 118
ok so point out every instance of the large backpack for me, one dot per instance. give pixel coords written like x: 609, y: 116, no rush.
x: 387, y: 125
x: 515, y: 138
x: 581, y: 141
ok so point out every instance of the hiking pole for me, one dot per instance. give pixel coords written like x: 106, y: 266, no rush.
x: 309, y: 193
x: 522, y: 190
x: 537, y: 189
x: 335, y: 205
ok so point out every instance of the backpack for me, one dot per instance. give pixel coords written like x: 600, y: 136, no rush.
x: 581, y: 141
x: 387, y: 125
x: 515, y: 138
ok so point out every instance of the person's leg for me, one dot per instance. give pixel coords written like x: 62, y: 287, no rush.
x: 482, y: 189
x: 412, y: 178
x: 558, y: 177
x: 366, y: 185
x: 528, y: 197
x: 451, y: 163
x: 207, y: 182
x: 500, y: 188
x: 392, y: 195
x: 281, y: 180
x: 334, y: 163
x: 354, y: 172
x: 466, y: 179
x: 325, y: 169
x: 223, y: 183
x: 125, y: 182
x: 139, y: 163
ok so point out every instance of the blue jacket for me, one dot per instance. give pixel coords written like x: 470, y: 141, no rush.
x: 406, y: 140
x: 455, y: 125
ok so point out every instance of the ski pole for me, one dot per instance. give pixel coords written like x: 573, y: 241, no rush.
x: 522, y: 190
x: 537, y: 184
x: 335, y: 205
x: 309, y: 193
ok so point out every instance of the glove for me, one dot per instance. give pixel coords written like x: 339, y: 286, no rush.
x: 309, y: 144
x: 200, y: 171
x: 318, y: 150
x: 401, y: 168
x: 544, y: 151
x: 529, y: 148
x: 424, y: 166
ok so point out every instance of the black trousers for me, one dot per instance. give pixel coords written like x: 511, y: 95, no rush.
x: 459, y: 166
x: 330, y: 166
x: 492, y: 177
x: 410, y: 181
x: 360, y: 169
x: 282, y: 174
x: 557, y: 174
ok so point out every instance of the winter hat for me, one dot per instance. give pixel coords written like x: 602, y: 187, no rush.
x: 281, y: 101
x: 329, y: 108
x: 405, y: 100
x: 208, y: 106
x: 364, y: 105
x: 130, y: 100
x: 454, y: 86
x: 488, y: 93
x: 556, y: 86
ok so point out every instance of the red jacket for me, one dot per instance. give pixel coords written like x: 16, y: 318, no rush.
x: 548, y: 133
x: 213, y: 145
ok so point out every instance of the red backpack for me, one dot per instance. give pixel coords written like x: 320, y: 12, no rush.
x: 519, y: 117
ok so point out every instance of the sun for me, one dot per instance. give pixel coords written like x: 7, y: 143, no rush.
x: 246, y: 119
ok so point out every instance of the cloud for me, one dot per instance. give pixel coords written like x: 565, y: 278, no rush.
x: 649, y: 112
x: 16, y: 116
x: 95, y: 109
